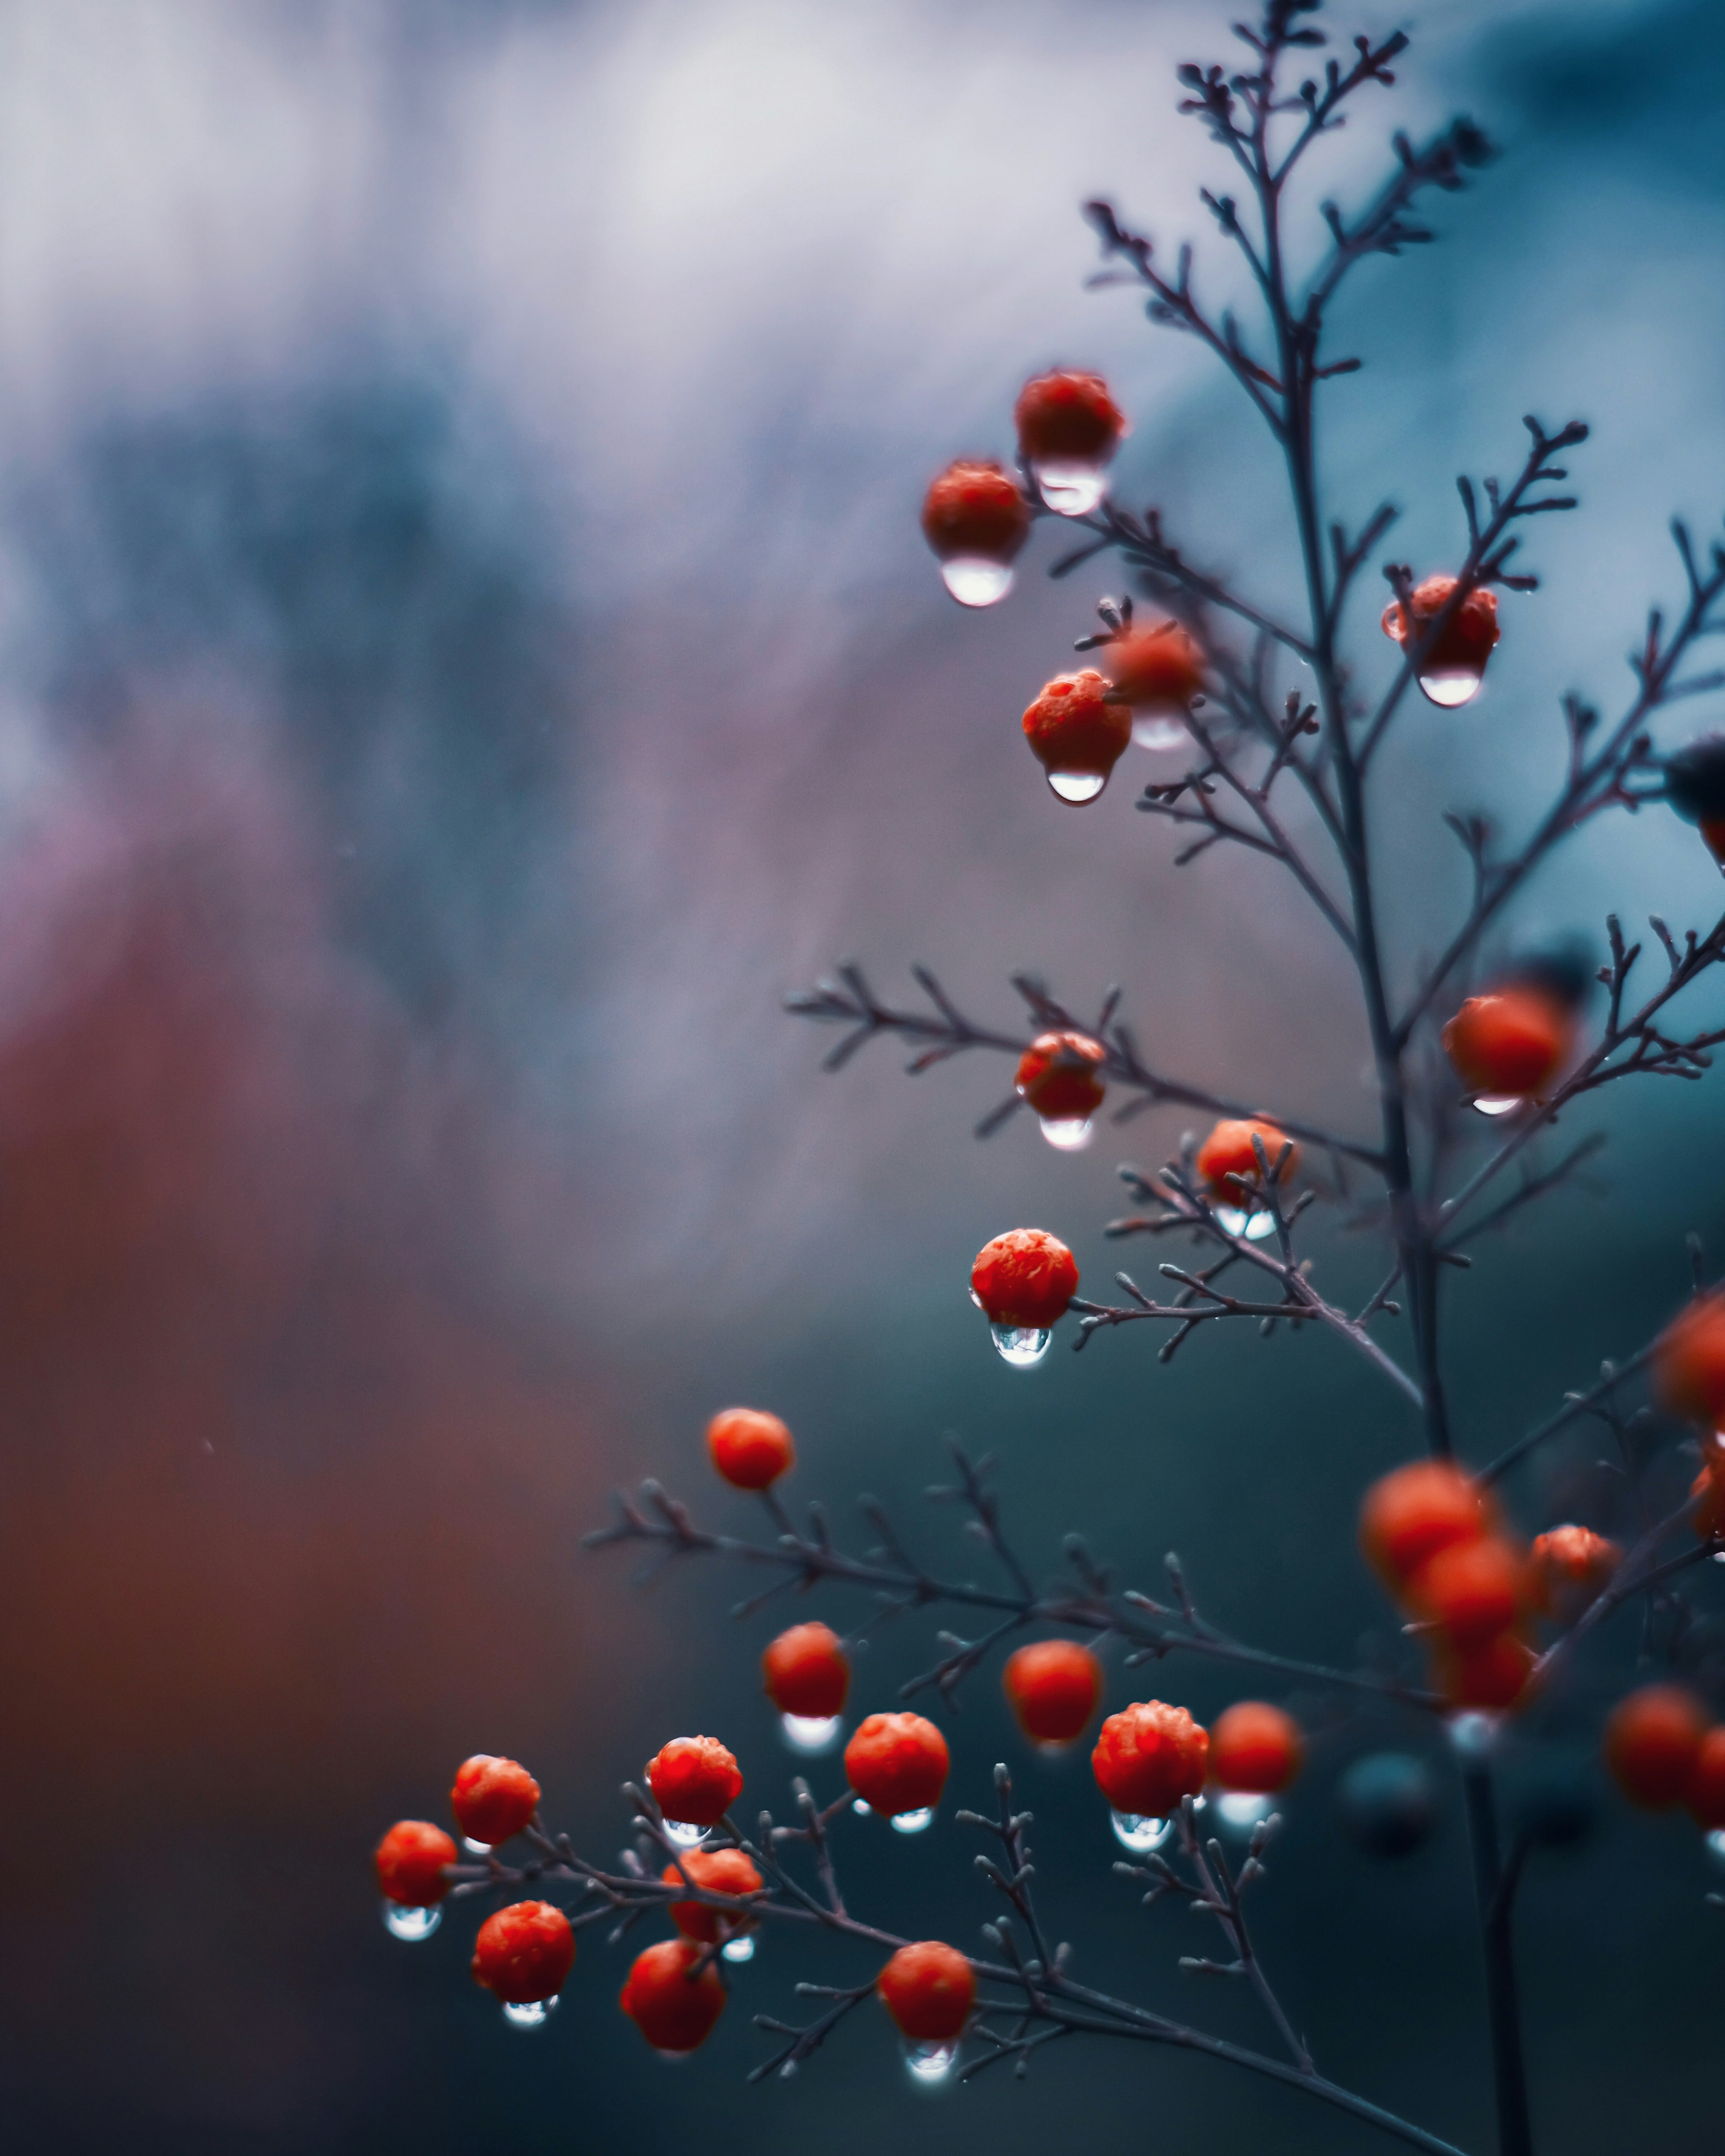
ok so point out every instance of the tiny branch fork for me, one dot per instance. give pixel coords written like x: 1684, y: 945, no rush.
x: 1085, y: 1601
x: 1218, y: 1894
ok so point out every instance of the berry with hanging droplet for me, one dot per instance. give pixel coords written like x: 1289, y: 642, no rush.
x: 1025, y: 1277
x: 976, y: 519
x: 1078, y: 732
x: 1228, y: 1153
x: 897, y: 1763
x: 523, y: 1954
x: 1452, y: 667
x: 714, y: 1871
x: 1256, y: 1747
x: 1148, y: 1757
x: 674, y: 2008
x: 493, y: 1798
x: 929, y: 1989
x: 1057, y: 1076
x: 1509, y: 1044
x: 412, y: 1861
x: 695, y: 1780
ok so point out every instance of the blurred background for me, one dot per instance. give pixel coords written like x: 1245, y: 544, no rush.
x: 465, y: 651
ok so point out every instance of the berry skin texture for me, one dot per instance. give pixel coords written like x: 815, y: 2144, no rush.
x: 1652, y: 1742
x: 1491, y: 1676
x: 1471, y: 1591
x: 673, y: 2011
x: 975, y: 508
x: 1025, y: 1277
x: 1566, y: 1567
x: 524, y: 1952
x: 750, y: 1448
x: 1411, y: 1513
x: 1705, y: 1794
x: 1076, y: 725
x: 929, y: 1989
x: 1470, y: 636
x: 694, y: 1780
x: 1689, y: 1362
x: 1229, y: 1151
x: 1057, y: 1076
x: 1053, y: 1687
x: 1256, y: 1747
x: 718, y: 1871
x: 897, y: 1763
x: 410, y: 1861
x: 1150, y: 1756
x: 804, y: 1671
x: 1066, y: 417
x: 1513, y: 1043
x: 1158, y: 670
x: 493, y: 1798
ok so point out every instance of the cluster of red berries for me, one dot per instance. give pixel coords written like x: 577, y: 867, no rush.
x: 1662, y: 1751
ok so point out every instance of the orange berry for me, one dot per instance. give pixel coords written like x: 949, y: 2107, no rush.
x: 1706, y: 1494
x: 1566, y: 1567
x: 674, y: 2008
x: 897, y: 1763
x: 1705, y: 1794
x: 1075, y: 729
x: 1155, y: 670
x: 1053, y: 1687
x: 1470, y: 637
x: 1689, y: 1362
x: 1491, y: 1675
x: 524, y: 1952
x: 411, y: 1860
x: 716, y: 1871
x: 1471, y: 1590
x: 805, y: 1671
x: 1067, y: 417
x: 1057, y: 1076
x: 1411, y: 1513
x: 1513, y: 1043
x: 1150, y: 1756
x: 975, y: 508
x: 929, y: 1989
x: 1025, y: 1277
x: 492, y: 1799
x: 1256, y: 1747
x: 750, y: 1448
x: 1229, y: 1151
x: 1652, y: 1741
x: 694, y: 1780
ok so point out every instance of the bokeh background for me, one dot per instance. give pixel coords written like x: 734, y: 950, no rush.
x: 465, y: 652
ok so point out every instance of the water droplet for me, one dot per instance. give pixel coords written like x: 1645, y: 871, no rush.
x: 1473, y: 1733
x: 930, y: 2064
x: 1067, y: 1133
x: 975, y: 581
x: 685, y: 1836
x: 1077, y: 786
x: 1715, y: 1845
x: 411, y: 1925
x: 863, y: 1811
x: 1151, y: 730
x: 1138, y: 1833
x: 1239, y: 1811
x: 1254, y: 1226
x: 740, y: 1948
x: 1498, y: 1104
x: 1449, y: 686
x: 533, y: 2016
x: 1071, y: 486
x: 810, y: 1734
x: 475, y: 1848
x: 913, y: 1822
x: 1021, y: 1347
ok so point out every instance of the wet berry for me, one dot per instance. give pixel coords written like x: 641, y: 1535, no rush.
x: 493, y: 1798
x: 1228, y: 1153
x: 1410, y: 1514
x: 805, y: 1672
x: 1566, y: 1567
x: 1689, y: 1362
x: 1065, y: 417
x: 1150, y: 1756
x: 897, y: 1763
x: 1025, y: 1277
x: 1467, y: 639
x: 1256, y: 1747
x: 750, y: 1448
x: 1057, y: 1076
x: 1053, y: 1687
x: 1652, y: 1742
x: 694, y: 1780
x: 524, y: 1953
x: 1077, y: 732
x: 929, y: 1989
x: 975, y: 508
x: 1157, y: 670
x: 674, y: 2008
x: 715, y: 1871
x: 1512, y: 1044
x: 410, y: 1861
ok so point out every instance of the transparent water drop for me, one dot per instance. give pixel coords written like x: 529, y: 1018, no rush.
x: 1155, y: 731
x: 863, y: 1811
x: 975, y: 581
x: 1715, y: 1845
x: 1473, y: 1731
x: 931, y: 2063
x: 1067, y: 1133
x: 1254, y: 1226
x: 810, y: 1734
x: 1498, y: 1104
x: 1021, y: 1347
x: 1239, y: 1811
x: 1450, y: 686
x: 475, y: 1848
x: 411, y: 1925
x: 913, y: 1822
x: 740, y: 1948
x: 1077, y: 786
x: 1138, y: 1833
x: 1071, y: 486
x: 1719, y: 1557
x: 685, y: 1834
x: 533, y: 2016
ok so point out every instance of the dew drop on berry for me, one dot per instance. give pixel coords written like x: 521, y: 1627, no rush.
x: 1498, y: 1104
x: 740, y: 1948
x: 810, y: 1734
x: 930, y: 2064
x: 1473, y: 1733
x: 1151, y: 730
x: 1071, y: 486
x: 1138, y: 1833
x: 1239, y: 1811
x: 1076, y: 787
x: 1451, y: 686
x: 1067, y: 1133
x: 863, y: 1811
x: 411, y: 1925
x: 1021, y: 1346
x: 685, y: 1834
x: 913, y: 1822
x: 1254, y: 1226
x: 475, y: 1848
x: 534, y: 2014
x: 975, y: 581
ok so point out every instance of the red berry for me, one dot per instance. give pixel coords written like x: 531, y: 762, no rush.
x: 1025, y: 1277
x: 1410, y: 1514
x: 1705, y: 1795
x: 524, y: 1952
x: 1155, y: 670
x: 1077, y: 731
x: 805, y: 1671
x: 410, y: 1861
x: 929, y: 1989
x: 1706, y: 1494
x: 1652, y: 1742
x: 1492, y: 1676
x: 1566, y: 1567
x: 694, y: 1780
x: 1057, y: 1076
x: 1471, y: 1590
x: 1511, y: 1043
x: 1068, y: 418
x: 750, y: 1448
x: 1256, y: 1747
x: 1150, y: 1756
x: 1689, y: 1362
x: 897, y: 1763
x: 1229, y: 1152
x: 1053, y: 1687
x: 674, y: 2008
x: 975, y: 508
x: 716, y: 1871
x: 1713, y: 832
x: 1469, y: 637
x: 492, y: 1799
